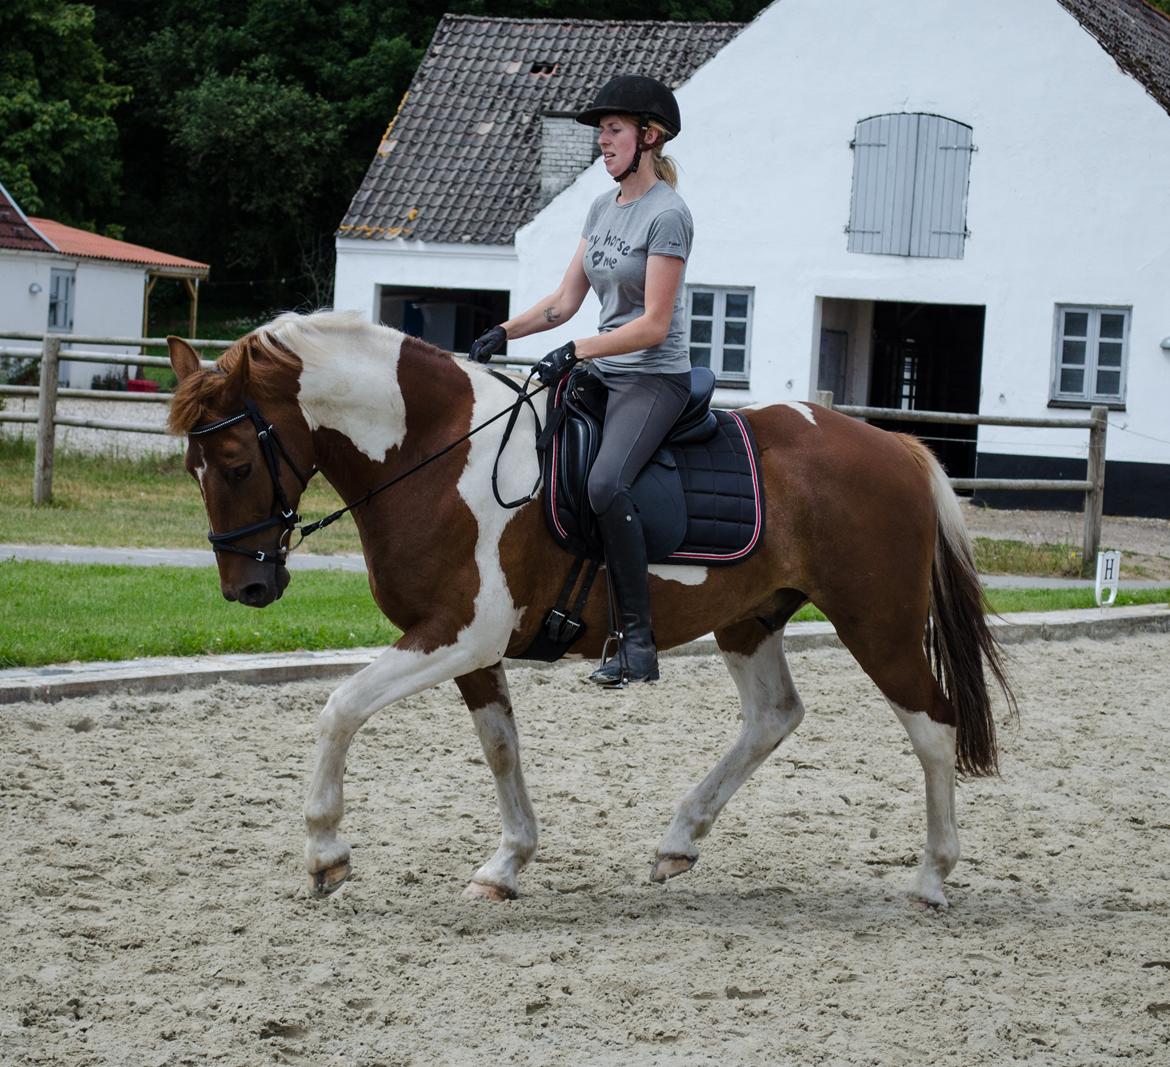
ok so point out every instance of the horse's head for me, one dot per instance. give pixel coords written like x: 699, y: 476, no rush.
x: 251, y: 451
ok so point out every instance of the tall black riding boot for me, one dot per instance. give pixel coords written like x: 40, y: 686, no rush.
x: 625, y: 560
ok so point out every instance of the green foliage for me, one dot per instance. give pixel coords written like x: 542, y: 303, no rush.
x: 58, y: 140
x: 254, y: 122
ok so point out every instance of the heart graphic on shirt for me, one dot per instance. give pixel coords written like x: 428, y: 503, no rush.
x: 597, y: 257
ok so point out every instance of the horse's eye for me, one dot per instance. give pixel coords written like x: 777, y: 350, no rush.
x: 241, y: 472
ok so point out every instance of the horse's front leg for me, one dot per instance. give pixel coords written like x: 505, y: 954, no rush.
x: 486, y: 695
x: 399, y: 672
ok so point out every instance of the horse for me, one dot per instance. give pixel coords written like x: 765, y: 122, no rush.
x: 860, y: 522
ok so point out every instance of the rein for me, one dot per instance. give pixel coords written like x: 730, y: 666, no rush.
x: 288, y: 519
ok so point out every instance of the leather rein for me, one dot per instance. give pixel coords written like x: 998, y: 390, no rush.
x: 283, y: 514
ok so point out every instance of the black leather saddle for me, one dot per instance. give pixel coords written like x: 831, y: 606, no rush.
x: 701, y: 497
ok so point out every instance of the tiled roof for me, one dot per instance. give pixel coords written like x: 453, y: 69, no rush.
x: 1135, y: 34
x: 73, y: 242
x: 460, y: 161
x: 15, y: 230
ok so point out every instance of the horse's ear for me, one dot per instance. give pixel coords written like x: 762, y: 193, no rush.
x: 183, y: 357
x: 238, y: 376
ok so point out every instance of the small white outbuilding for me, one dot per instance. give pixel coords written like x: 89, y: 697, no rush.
x: 957, y: 205
x: 60, y: 279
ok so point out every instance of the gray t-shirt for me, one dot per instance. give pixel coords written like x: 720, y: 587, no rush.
x: 618, y: 240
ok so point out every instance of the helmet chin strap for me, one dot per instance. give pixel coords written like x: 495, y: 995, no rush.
x: 638, y: 149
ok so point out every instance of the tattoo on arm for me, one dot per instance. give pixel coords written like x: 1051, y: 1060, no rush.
x: 551, y: 314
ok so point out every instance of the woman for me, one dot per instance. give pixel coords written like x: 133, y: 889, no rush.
x: 633, y: 254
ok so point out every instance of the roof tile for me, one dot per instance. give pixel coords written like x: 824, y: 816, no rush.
x: 478, y: 186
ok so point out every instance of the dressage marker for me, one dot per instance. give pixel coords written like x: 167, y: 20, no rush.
x: 860, y: 522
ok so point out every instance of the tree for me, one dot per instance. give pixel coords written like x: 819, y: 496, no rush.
x: 253, y: 122
x: 58, y: 140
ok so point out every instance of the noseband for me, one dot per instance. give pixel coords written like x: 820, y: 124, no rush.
x: 284, y: 516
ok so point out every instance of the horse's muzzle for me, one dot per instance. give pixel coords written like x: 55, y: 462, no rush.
x: 260, y: 588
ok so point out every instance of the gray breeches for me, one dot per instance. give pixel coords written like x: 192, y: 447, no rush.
x: 639, y: 414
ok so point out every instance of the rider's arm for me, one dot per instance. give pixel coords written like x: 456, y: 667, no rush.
x: 559, y: 306
x: 663, y: 274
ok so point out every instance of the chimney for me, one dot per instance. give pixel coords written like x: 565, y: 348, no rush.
x: 566, y: 149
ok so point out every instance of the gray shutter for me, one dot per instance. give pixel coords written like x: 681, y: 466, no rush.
x: 910, y: 177
x: 941, y: 176
x: 883, y: 184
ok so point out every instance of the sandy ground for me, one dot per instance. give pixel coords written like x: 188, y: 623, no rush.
x: 154, y: 911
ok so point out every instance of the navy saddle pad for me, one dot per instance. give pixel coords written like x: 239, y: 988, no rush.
x: 701, y: 498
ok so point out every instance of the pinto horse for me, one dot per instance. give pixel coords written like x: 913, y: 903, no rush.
x: 860, y: 522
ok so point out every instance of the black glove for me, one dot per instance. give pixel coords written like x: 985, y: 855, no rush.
x: 484, y: 347
x: 556, y: 364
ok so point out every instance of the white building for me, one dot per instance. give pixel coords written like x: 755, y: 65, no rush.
x: 55, y: 278
x: 940, y: 204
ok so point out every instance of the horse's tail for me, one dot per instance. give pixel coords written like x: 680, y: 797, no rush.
x: 958, y: 640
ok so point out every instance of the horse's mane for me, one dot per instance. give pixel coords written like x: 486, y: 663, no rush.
x: 285, y: 345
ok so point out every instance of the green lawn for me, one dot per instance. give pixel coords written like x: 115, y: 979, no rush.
x: 55, y: 613
x: 143, y: 503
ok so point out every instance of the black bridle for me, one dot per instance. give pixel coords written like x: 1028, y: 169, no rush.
x: 285, y: 517
x: 283, y: 514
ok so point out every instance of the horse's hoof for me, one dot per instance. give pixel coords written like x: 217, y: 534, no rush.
x: 671, y: 866
x: 924, y: 901
x: 329, y: 879
x: 486, y: 891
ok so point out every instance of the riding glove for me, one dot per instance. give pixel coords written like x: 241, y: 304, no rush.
x: 556, y: 364
x: 487, y: 345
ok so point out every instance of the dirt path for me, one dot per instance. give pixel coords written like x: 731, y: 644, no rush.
x: 154, y: 912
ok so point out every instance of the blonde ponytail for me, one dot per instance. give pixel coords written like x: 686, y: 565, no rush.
x: 664, y: 166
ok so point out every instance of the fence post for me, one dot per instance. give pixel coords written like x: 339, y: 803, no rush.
x: 46, y: 413
x: 825, y: 397
x: 1095, y: 497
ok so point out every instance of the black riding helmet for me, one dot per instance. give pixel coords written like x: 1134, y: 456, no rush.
x: 634, y: 94
x: 647, y: 99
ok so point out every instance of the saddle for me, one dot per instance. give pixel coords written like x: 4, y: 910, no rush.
x: 701, y: 498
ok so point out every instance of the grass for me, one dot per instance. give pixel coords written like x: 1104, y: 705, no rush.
x: 55, y: 613
x: 142, y: 503
x: 993, y: 556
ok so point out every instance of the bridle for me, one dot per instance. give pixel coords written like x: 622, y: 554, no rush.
x: 283, y: 514
x: 287, y: 519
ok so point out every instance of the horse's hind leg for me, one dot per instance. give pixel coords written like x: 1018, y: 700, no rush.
x: 486, y: 694
x: 902, y: 672
x: 771, y: 711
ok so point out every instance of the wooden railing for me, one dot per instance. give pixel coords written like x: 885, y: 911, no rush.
x: 1093, y: 485
x: 48, y: 352
x: 47, y: 392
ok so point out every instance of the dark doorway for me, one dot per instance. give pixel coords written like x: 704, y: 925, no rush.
x: 929, y: 357
x: 447, y: 318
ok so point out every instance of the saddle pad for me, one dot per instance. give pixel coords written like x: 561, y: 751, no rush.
x: 724, y: 494
x: 700, y: 502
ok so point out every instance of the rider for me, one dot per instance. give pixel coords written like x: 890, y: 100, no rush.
x: 633, y: 253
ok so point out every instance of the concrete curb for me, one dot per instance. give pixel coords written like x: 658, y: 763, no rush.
x: 169, y: 674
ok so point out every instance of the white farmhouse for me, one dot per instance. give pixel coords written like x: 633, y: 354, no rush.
x: 954, y: 205
x: 60, y: 279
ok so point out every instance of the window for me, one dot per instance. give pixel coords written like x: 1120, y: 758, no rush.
x: 719, y: 331
x: 61, y: 284
x: 1090, y: 358
x: 910, y: 177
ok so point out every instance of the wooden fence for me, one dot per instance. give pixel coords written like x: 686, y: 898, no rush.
x: 48, y: 391
x: 47, y: 419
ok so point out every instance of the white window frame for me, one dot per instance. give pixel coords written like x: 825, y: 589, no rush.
x: 1088, y: 395
x: 60, y: 318
x: 718, y: 318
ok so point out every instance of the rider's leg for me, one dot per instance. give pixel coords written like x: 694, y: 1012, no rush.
x: 639, y: 414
